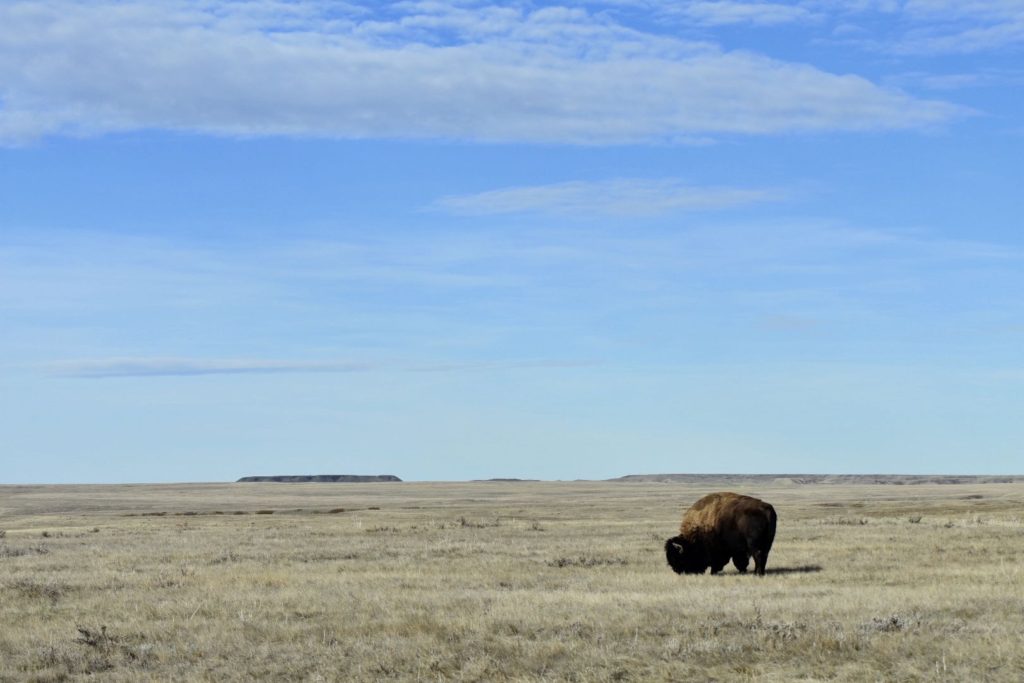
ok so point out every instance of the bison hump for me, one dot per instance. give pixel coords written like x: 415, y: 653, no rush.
x: 716, y: 510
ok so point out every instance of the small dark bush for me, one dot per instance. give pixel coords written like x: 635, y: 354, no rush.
x: 39, y: 590
x: 6, y: 551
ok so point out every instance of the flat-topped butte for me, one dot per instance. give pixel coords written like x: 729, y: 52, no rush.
x: 328, y: 478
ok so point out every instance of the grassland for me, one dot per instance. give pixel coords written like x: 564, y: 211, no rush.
x: 495, y: 581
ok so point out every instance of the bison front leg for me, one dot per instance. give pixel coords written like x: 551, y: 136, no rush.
x: 741, y: 562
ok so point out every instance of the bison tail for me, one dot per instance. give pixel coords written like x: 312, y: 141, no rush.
x: 772, y: 522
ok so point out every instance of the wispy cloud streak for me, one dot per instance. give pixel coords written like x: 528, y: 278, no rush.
x: 189, y: 367
x: 928, y: 27
x: 625, y: 197
x: 726, y: 12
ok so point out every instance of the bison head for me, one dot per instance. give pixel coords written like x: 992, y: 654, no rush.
x: 685, y: 556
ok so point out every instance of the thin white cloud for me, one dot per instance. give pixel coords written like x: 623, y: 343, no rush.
x: 946, y: 9
x: 373, y: 297
x: 152, y: 367
x: 409, y: 70
x: 100, y: 368
x: 726, y: 12
x: 933, y: 27
x: 625, y: 197
x: 542, y: 296
x: 985, y: 78
x: 984, y: 38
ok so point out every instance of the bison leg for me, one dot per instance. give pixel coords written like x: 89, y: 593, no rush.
x: 760, y: 560
x: 741, y: 562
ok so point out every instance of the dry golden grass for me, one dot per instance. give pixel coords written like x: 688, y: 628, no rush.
x: 503, y: 581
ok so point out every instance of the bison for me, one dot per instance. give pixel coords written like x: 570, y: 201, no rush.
x: 720, y: 527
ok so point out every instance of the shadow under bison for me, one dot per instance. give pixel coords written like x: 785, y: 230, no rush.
x: 802, y: 569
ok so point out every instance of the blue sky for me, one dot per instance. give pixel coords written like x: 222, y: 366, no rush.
x: 455, y: 240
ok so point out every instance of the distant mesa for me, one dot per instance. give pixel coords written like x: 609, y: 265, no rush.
x: 326, y: 478
x: 801, y: 479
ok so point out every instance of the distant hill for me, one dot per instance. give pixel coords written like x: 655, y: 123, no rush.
x: 798, y: 479
x: 328, y: 478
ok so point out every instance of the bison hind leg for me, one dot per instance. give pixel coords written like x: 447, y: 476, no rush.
x: 741, y: 562
x: 760, y: 560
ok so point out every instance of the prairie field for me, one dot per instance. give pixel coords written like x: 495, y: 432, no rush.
x: 504, y: 581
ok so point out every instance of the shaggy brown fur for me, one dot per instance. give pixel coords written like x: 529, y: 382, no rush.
x: 720, y: 527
